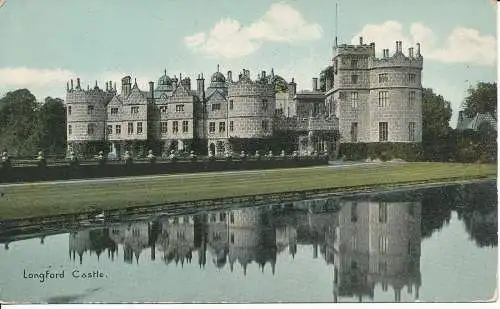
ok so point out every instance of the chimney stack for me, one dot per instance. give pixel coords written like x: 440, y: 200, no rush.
x: 200, y: 85
x: 67, y: 86
x: 229, y: 76
x: 71, y: 84
x: 78, y: 83
x: 418, y: 49
x: 360, y: 40
x: 151, y: 89
x: 263, y: 74
x: 126, y: 86
x: 293, y: 87
x: 315, y: 84
x: 410, y: 52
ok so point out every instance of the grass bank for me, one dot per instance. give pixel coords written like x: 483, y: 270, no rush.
x: 47, y: 199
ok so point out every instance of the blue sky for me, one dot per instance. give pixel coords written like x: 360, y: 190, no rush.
x: 45, y: 43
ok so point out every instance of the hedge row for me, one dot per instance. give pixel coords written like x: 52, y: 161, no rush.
x: 382, y: 151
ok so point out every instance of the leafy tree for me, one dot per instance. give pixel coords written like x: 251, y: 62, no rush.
x: 436, y: 132
x: 326, y: 73
x: 51, y: 126
x: 481, y: 99
x: 18, y: 122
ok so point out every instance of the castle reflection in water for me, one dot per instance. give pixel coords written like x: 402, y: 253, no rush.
x: 368, y: 243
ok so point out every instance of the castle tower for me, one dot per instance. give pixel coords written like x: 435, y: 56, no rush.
x: 251, y: 109
x: 86, y: 118
x: 377, y: 99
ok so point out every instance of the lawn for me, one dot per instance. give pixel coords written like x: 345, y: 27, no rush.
x: 45, y: 199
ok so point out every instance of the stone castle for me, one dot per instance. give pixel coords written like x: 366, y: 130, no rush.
x: 363, y: 99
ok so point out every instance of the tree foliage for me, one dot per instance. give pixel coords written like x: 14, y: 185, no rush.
x: 27, y: 126
x: 481, y: 99
x: 327, y: 73
x: 436, y: 132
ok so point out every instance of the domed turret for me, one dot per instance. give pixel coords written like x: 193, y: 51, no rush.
x: 218, y: 80
x: 218, y: 77
x: 280, y: 85
x: 165, y: 84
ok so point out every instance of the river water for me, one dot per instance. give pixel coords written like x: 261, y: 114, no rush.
x: 434, y: 244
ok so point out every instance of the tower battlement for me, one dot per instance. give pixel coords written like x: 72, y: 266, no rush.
x: 76, y: 94
x: 412, y: 59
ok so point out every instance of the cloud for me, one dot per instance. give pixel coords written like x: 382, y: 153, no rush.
x: 22, y: 76
x: 462, y: 45
x: 229, y: 39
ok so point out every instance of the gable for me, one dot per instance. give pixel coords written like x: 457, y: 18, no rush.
x: 136, y: 97
x: 115, y: 101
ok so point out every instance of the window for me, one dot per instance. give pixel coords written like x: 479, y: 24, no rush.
x: 69, y: 110
x: 411, y: 78
x: 109, y: 129
x: 354, y: 63
x: 231, y: 104
x: 382, y: 98
x: 130, y: 128
x: 265, y: 105
x: 222, y: 127
x: 175, y: 126
x: 114, y: 110
x: 354, y: 242
x: 211, y: 127
x: 163, y: 109
x: 139, y: 128
x: 410, y: 247
x: 265, y: 125
x: 382, y: 244
x: 91, y: 129
x: 232, y: 238
x: 213, y: 218
x: 354, y: 132
x: 354, y: 100
x: 118, y: 129
x: 231, y: 218
x: 354, y: 212
x: 231, y: 126
x: 411, y: 131
x: 70, y: 130
x: 354, y: 79
x: 90, y: 109
x: 411, y: 98
x: 383, y: 131
x: 185, y: 126
x: 383, y: 78
x: 222, y: 217
x: 163, y: 127
x: 342, y: 95
x: 215, y: 106
x: 382, y: 267
x: 134, y: 110
x: 382, y: 212
x: 179, y: 108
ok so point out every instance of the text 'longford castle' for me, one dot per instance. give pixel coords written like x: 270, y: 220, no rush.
x: 359, y: 99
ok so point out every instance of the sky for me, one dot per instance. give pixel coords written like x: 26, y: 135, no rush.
x: 43, y: 44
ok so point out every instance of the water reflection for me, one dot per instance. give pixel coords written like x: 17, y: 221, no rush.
x: 367, y: 242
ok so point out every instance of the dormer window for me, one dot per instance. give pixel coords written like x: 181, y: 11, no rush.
x: 114, y: 110
x: 215, y: 106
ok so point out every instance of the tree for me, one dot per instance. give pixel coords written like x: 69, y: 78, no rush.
x: 481, y: 99
x: 436, y: 132
x: 18, y: 122
x: 327, y: 73
x: 51, y: 126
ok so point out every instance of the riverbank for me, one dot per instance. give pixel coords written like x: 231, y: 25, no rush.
x: 40, y: 199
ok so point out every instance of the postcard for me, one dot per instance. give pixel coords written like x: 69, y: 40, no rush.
x: 260, y: 152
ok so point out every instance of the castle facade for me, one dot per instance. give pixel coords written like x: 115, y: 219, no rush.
x: 366, y: 99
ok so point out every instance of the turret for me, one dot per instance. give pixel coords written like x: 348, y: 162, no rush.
x: 292, y: 86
